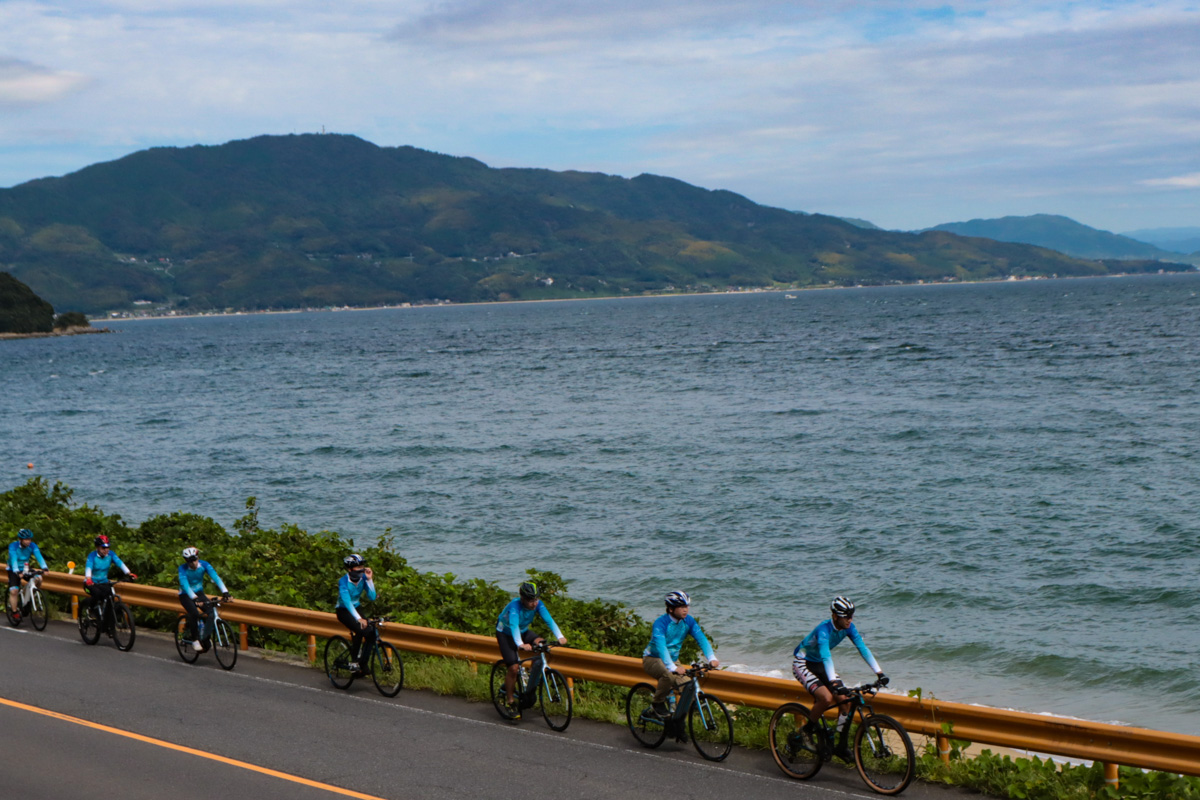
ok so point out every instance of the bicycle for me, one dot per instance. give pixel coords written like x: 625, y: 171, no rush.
x: 214, y: 633
x: 540, y: 685
x: 29, y: 601
x: 883, y: 753
x: 708, y: 721
x: 112, y: 617
x: 385, y: 665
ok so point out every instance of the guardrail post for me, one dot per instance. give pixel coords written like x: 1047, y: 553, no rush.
x: 312, y: 649
x: 571, y: 687
x: 474, y: 667
x: 74, y: 607
x: 1111, y: 776
x: 943, y: 746
x: 245, y: 631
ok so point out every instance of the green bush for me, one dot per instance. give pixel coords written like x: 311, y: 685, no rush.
x: 289, y: 566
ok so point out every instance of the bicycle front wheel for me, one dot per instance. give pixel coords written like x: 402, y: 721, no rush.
x: 646, y: 726
x: 89, y: 624
x: 711, y: 728
x: 499, y: 699
x: 555, y: 698
x: 883, y: 754
x: 387, y: 670
x: 337, y: 662
x: 124, y: 632
x: 794, y: 751
x: 37, y: 610
x: 224, y: 646
x: 183, y: 641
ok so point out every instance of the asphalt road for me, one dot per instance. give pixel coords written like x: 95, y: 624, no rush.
x: 284, y: 723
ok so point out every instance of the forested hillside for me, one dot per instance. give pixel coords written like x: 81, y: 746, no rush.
x: 319, y: 220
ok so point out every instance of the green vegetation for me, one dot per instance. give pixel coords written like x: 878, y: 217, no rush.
x: 22, y: 311
x: 1042, y: 779
x: 291, y: 567
x: 71, y: 319
x: 316, y: 220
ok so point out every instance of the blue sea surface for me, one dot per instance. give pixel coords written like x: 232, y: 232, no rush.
x: 1004, y: 477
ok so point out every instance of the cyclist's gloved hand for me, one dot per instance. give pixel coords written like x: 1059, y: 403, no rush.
x: 87, y: 581
x: 131, y: 576
x: 838, y: 687
x: 883, y: 679
x: 225, y: 596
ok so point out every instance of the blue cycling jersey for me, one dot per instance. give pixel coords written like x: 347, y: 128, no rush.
x: 350, y: 593
x: 818, y: 644
x: 98, y: 566
x: 18, y: 557
x: 191, y: 580
x: 667, y: 635
x: 516, y: 618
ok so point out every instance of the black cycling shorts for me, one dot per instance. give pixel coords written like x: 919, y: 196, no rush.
x: 508, y: 650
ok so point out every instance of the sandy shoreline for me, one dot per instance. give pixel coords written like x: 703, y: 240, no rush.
x: 822, y: 288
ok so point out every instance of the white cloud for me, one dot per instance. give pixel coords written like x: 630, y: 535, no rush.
x: 1191, y: 181
x: 25, y: 84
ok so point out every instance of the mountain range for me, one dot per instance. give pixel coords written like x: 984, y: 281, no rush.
x: 1063, y: 234
x: 321, y: 220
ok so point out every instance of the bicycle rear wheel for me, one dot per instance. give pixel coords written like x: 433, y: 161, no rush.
x: 124, y: 632
x: 555, y: 698
x: 89, y: 624
x: 337, y: 662
x: 646, y: 726
x: 38, y: 614
x: 387, y: 670
x: 225, y: 647
x: 711, y: 728
x: 183, y: 641
x: 794, y: 751
x: 883, y: 754
x: 499, y: 700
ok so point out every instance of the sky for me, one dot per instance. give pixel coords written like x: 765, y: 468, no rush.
x: 906, y: 114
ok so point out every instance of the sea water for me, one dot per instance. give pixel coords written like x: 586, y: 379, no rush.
x: 1004, y: 477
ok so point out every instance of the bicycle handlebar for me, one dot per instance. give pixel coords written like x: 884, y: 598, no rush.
x: 698, y: 668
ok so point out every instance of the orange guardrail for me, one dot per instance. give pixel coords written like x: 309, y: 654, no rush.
x: 1111, y: 744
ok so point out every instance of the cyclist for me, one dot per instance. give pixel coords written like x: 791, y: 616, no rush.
x: 20, y: 552
x: 513, y: 634
x: 813, y: 663
x: 95, y: 573
x: 666, y: 638
x: 358, y: 579
x: 191, y: 590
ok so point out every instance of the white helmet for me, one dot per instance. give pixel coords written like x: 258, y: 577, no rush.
x: 190, y: 553
x: 678, y: 598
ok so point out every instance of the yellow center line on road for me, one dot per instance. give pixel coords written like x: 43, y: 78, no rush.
x: 190, y: 751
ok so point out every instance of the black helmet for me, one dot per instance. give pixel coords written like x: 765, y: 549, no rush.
x: 353, y: 560
x: 529, y: 590
x: 842, y: 607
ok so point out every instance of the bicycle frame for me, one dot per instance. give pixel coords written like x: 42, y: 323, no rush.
x: 539, y: 666
x: 26, y: 595
x: 858, y: 710
x: 215, y: 631
x: 691, y: 694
